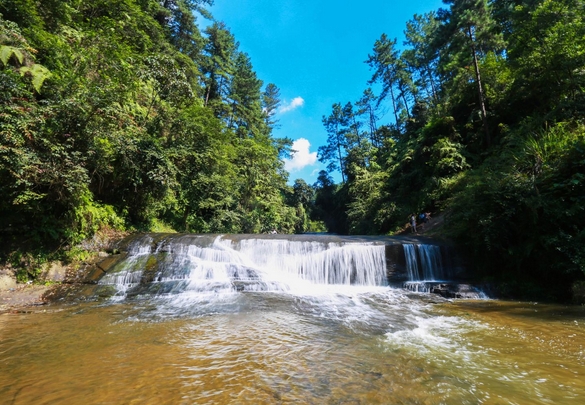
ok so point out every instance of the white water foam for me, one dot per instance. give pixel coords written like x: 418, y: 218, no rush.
x: 275, y: 265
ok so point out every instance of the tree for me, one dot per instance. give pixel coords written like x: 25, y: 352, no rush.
x: 303, y: 193
x: 218, y: 66
x: 422, y: 56
x: 547, y: 54
x: 368, y: 107
x: 270, y: 104
x: 17, y: 55
x: 359, y: 151
x: 334, y: 151
x: 384, y: 61
x: 120, y: 113
x: 330, y: 203
x: 469, y: 32
x: 245, y: 99
x: 178, y: 17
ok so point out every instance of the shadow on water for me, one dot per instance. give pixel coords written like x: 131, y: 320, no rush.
x: 520, y: 309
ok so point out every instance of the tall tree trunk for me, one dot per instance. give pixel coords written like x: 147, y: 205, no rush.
x: 373, y: 126
x: 479, y: 87
x: 341, y: 168
x: 432, y: 82
x: 394, y: 105
x: 207, y: 95
x: 357, y: 130
x: 403, y: 95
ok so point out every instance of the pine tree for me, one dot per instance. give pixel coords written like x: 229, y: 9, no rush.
x: 469, y: 32
x: 333, y: 152
x: 270, y: 104
x: 421, y: 56
x: 218, y: 66
x: 245, y: 99
x: 368, y: 107
x: 390, y: 72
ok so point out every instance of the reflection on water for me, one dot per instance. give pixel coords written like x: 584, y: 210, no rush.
x: 346, y: 345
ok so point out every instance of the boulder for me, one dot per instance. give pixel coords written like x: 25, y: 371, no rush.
x: 54, y: 271
x: 7, y: 280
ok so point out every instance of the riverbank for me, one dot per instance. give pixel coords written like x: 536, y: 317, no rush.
x: 22, y: 296
x: 52, y: 274
x: 15, y: 296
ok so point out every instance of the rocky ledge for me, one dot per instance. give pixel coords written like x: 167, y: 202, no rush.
x: 446, y: 289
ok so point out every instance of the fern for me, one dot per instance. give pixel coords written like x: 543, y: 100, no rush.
x: 39, y: 74
x: 6, y: 52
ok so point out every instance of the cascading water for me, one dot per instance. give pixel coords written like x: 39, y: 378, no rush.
x: 424, y: 266
x: 130, y: 274
x: 427, y: 273
x: 197, y: 265
x: 424, y: 262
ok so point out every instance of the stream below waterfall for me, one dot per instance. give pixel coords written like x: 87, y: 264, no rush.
x: 301, y: 323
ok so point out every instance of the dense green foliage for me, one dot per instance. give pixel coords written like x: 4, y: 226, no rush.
x: 123, y: 114
x: 487, y: 100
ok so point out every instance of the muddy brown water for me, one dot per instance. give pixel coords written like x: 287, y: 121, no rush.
x: 340, y: 345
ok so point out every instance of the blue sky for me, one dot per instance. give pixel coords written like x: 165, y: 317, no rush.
x: 314, y: 51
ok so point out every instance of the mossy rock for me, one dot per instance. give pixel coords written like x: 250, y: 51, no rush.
x: 152, y: 267
x: 105, y: 291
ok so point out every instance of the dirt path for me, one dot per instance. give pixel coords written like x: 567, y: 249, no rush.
x: 431, y: 228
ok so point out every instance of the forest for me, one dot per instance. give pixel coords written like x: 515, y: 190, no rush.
x: 124, y: 115
x: 488, y: 103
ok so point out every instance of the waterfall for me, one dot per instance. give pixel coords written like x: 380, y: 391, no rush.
x: 427, y: 274
x: 201, y: 265
x: 130, y: 273
x: 424, y: 262
x: 319, y: 263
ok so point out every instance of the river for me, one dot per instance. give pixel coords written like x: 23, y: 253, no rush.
x: 304, y: 343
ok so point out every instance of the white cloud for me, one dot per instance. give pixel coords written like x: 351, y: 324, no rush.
x: 301, y: 156
x: 294, y: 104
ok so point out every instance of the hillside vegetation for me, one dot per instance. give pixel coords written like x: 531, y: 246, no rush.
x: 123, y: 115
x: 487, y: 100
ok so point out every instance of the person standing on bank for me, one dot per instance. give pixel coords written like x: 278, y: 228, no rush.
x: 413, y: 223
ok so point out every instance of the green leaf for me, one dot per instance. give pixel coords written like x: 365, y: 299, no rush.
x: 39, y: 74
x: 7, y: 51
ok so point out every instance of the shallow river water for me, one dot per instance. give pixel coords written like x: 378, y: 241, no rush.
x: 333, y: 345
